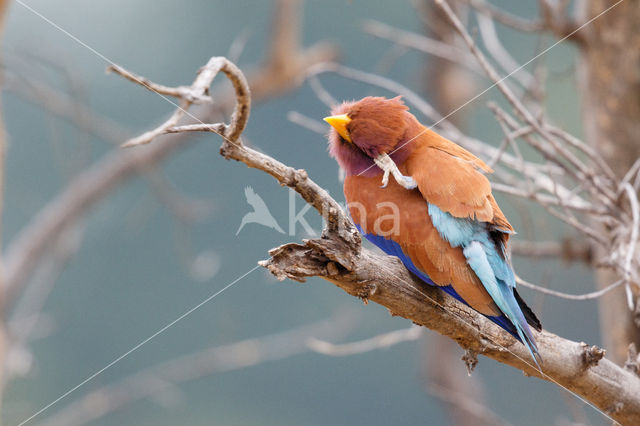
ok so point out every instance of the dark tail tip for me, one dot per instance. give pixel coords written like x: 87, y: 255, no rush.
x: 531, y: 318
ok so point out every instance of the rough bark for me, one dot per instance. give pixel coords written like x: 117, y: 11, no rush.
x: 610, y: 88
x: 574, y: 366
x: 339, y: 258
x: 287, y: 61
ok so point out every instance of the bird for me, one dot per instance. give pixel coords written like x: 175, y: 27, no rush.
x: 260, y: 214
x: 437, y: 215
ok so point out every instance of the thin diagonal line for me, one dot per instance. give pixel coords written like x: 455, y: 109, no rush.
x: 110, y: 62
x: 184, y: 315
x: 539, y: 368
x: 467, y: 103
x: 247, y: 273
x: 501, y: 80
x: 62, y: 30
x: 136, y: 347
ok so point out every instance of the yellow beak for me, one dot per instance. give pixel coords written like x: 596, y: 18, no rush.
x: 340, y: 122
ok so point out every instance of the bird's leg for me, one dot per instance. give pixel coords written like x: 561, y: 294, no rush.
x: 385, y: 178
x: 388, y: 166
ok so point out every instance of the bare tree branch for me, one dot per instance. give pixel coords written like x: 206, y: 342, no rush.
x: 90, y: 186
x: 587, y: 187
x: 568, y: 250
x: 554, y: 18
x: 505, y: 18
x: 195, y: 93
x: 385, y: 281
x: 381, y: 341
x: 596, y: 178
x: 422, y: 43
x: 610, y: 90
x: 464, y: 403
x: 339, y: 258
x: 562, y: 295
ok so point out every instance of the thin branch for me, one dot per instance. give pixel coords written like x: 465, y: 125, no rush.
x: 27, y: 321
x: 500, y: 54
x: 579, y: 170
x: 90, y: 186
x: 582, y: 146
x: 545, y: 199
x: 197, y: 92
x: 421, y: 43
x: 339, y: 258
x: 321, y: 93
x: 237, y: 45
x: 633, y: 241
x: 64, y: 106
x: 531, y: 170
x: 568, y: 249
x: 381, y: 341
x: 379, y: 81
x: 306, y: 122
x: 585, y: 296
x: 166, y: 376
x: 553, y: 19
x: 633, y: 359
x: 505, y: 18
x: 466, y: 403
x: 181, y: 92
x: 389, y: 58
x: 510, y: 140
x: 633, y: 171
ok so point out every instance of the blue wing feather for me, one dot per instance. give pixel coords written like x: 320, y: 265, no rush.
x: 392, y: 248
x: 488, y: 260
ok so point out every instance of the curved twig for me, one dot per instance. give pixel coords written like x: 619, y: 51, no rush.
x: 339, y: 258
x: 562, y: 295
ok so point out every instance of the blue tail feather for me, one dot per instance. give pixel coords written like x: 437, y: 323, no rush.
x: 485, y: 254
x: 498, y: 279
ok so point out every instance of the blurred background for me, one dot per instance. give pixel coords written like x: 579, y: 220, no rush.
x: 156, y: 245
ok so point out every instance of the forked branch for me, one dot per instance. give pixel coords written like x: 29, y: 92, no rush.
x: 338, y: 257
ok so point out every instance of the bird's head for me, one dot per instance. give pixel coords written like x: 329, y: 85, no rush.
x: 364, y: 129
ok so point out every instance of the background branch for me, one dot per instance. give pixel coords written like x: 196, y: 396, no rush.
x: 610, y: 117
x: 91, y: 186
x: 571, y: 180
x: 164, y: 378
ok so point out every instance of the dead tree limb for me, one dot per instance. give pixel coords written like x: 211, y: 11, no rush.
x: 338, y: 257
x: 90, y: 186
x: 592, y: 186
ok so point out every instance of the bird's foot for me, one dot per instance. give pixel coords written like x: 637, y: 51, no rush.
x: 389, y: 167
x: 385, y: 179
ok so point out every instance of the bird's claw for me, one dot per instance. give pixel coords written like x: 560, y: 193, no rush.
x: 385, y: 179
x: 389, y: 167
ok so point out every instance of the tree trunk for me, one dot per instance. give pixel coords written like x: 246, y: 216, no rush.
x: 609, y: 82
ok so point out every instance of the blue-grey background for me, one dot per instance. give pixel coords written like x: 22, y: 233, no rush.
x: 130, y: 276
